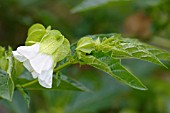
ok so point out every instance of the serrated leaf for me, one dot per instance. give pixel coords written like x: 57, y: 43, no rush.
x: 125, y: 48
x: 114, y: 68
x: 51, y: 41
x: 143, y: 51
x: 6, y: 86
x: 62, y: 51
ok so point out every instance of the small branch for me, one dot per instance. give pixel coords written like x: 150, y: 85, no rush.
x: 62, y: 66
x: 29, y: 83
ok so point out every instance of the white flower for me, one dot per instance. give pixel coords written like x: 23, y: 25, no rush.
x: 39, y: 64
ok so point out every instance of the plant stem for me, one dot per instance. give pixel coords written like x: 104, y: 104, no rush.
x: 62, y: 66
x: 29, y: 83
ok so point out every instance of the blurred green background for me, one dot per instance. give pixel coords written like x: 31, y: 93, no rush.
x: 147, y: 20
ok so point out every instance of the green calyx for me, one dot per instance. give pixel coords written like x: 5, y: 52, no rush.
x: 52, y: 42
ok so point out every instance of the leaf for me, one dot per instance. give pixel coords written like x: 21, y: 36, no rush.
x: 114, y: 68
x: 6, y: 86
x: 86, y: 45
x: 25, y: 94
x: 66, y: 83
x: 62, y: 51
x: 147, y: 3
x: 71, y: 84
x: 119, y: 47
x: 91, y: 4
x: 51, y: 42
x: 6, y: 82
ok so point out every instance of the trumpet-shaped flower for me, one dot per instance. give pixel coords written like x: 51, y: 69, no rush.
x: 39, y: 64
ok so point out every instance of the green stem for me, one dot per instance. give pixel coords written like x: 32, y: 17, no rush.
x: 62, y: 66
x: 29, y: 83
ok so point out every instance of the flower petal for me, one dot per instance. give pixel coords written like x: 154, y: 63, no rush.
x: 29, y: 51
x: 28, y: 66
x: 18, y: 56
x: 41, y: 62
x: 45, y: 79
x: 34, y: 74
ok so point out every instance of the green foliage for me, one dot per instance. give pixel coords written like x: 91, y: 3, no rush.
x: 114, y: 68
x: 105, y: 52
x: 102, y: 51
x: 6, y: 81
x: 25, y: 95
x: 119, y: 47
x: 86, y: 45
x: 91, y: 4
x: 6, y: 86
x: 107, y: 17
x: 3, y: 59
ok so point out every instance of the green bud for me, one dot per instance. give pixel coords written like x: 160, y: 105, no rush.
x: 86, y: 45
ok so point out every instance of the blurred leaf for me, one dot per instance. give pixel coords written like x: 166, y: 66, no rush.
x: 145, y: 3
x: 6, y: 82
x: 71, y: 84
x: 25, y: 94
x: 90, y: 4
x: 6, y: 86
x: 114, y: 68
x: 3, y: 59
x: 2, y: 50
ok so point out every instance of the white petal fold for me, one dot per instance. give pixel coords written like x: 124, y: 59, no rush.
x: 34, y: 74
x: 41, y: 62
x: 29, y: 51
x: 28, y: 66
x: 18, y: 56
x: 45, y: 78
